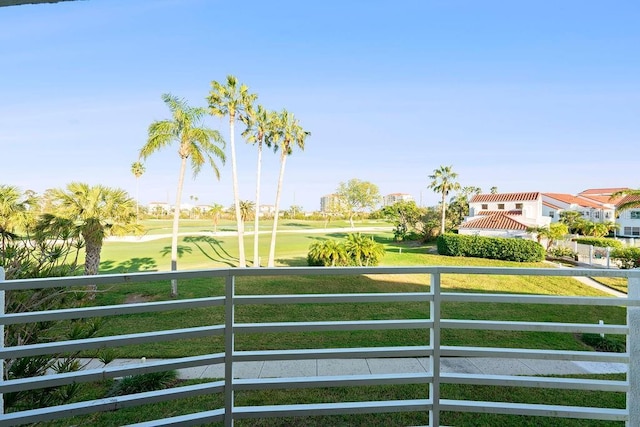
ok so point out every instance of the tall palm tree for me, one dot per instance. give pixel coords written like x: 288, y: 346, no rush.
x: 259, y: 130
x: 287, y: 133
x: 137, y: 169
x: 231, y: 99
x: 443, y: 181
x: 631, y: 200
x: 195, y: 142
x: 98, y: 212
x: 247, y: 208
x: 216, y: 212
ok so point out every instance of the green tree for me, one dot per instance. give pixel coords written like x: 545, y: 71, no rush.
x: 494, y: 190
x: 287, y: 133
x: 137, y: 169
x: 356, y: 196
x: 405, y: 215
x: 443, y: 181
x: 459, y: 205
x: 195, y: 142
x: 294, y: 211
x: 216, y: 212
x: 572, y: 219
x: 97, y: 212
x: 259, y: 131
x: 247, y: 209
x: 232, y: 100
x: 15, y: 212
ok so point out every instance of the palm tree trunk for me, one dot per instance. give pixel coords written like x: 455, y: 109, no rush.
x: 137, y: 200
x: 92, y: 262
x: 272, y: 248
x: 236, y: 198
x: 176, y: 223
x: 444, y: 208
x: 256, y: 257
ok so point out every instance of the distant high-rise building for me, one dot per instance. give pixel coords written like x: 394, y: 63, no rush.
x: 392, y: 198
x: 328, y: 202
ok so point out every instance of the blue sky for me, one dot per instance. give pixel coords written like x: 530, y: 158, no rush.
x: 525, y: 96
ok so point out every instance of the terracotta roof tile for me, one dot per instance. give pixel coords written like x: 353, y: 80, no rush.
x: 505, y: 197
x: 498, y: 221
x: 602, y: 191
x: 550, y: 205
x: 580, y: 201
x: 629, y: 198
x: 513, y: 212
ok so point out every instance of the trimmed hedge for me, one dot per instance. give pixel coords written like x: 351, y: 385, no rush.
x: 490, y: 247
x: 601, y: 242
x: 627, y: 257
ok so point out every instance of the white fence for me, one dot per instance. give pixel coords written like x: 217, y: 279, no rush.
x: 431, y: 348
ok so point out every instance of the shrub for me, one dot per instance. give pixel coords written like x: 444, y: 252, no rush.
x: 143, y: 382
x: 601, y: 242
x: 490, y: 247
x: 562, y: 252
x: 626, y: 257
x: 605, y: 343
x: 358, y: 250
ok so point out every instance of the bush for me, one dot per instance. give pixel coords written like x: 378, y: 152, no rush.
x: 562, y: 252
x: 359, y: 250
x: 490, y: 247
x: 601, y: 242
x: 626, y: 257
x: 143, y: 382
x: 605, y: 343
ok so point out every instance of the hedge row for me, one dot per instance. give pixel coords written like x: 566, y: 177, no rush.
x: 627, y: 257
x: 601, y: 242
x: 490, y: 247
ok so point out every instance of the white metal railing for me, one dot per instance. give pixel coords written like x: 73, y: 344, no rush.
x: 434, y: 350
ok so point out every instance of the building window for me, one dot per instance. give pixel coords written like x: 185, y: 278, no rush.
x: 607, y: 215
x: 518, y: 205
x: 501, y: 206
x: 551, y: 214
x: 635, y: 214
x: 632, y: 231
x: 596, y: 214
x: 485, y: 206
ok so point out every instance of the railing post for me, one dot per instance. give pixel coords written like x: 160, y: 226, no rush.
x: 633, y: 350
x: 229, y: 320
x: 590, y: 254
x: 2, y: 279
x: 434, y: 343
x: 608, y: 257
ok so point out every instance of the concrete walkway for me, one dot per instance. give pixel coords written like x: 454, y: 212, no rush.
x: 332, y: 367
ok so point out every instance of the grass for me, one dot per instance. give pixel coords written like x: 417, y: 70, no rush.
x: 617, y: 283
x: 207, y: 252
x: 295, y: 245
x: 369, y: 393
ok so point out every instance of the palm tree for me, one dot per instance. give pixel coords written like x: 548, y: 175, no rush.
x: 196, y: 142
x: 137, y: 169
x: 247, y: 208
x: 231, y: 100
x: 97, y: 212
x: 14, y: 212
x: 259, y: 124
x: 631, y: 199
x: 363, y: 250
x: 216, y: 212
x: 287, y: 132
x: 443, y: 181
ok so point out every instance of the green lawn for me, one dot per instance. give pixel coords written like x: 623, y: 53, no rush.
x: 617, y: 283
x: 207, y: 253
x: 204, y: 252
x: 397, y: 392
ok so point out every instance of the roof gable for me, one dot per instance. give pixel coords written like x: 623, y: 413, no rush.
x: 505, y: 197
x: 499, y: 221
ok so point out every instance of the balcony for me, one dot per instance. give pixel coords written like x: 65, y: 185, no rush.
x: 228, y: 331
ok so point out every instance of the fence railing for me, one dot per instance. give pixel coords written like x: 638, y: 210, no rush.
x: 230, y: 328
